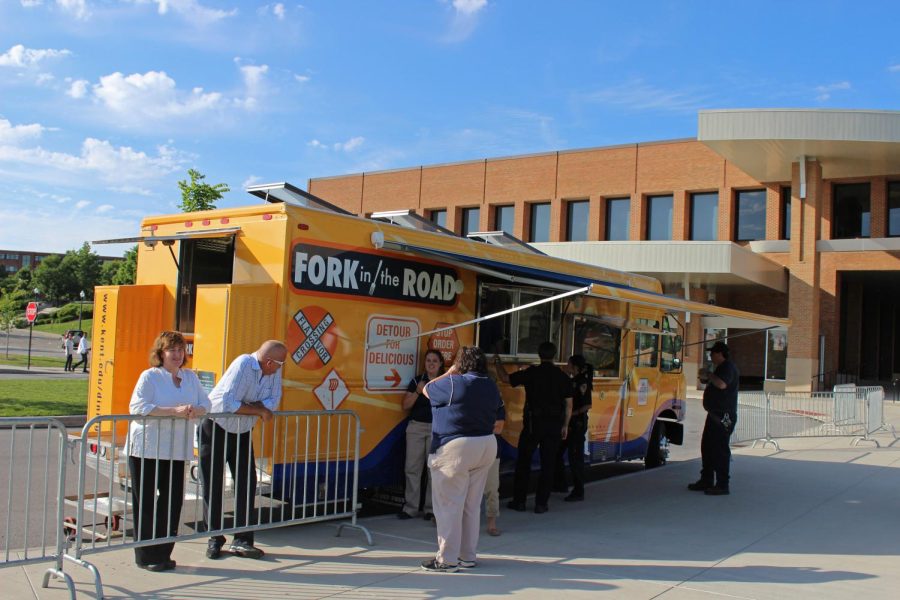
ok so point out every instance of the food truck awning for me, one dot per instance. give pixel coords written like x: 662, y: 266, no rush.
x: 528, y: 275
x: 150, y: 240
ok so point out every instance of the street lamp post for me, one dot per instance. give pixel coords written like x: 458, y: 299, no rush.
x: 80, y: 309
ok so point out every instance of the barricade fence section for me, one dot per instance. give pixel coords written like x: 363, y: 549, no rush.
x: 33, y: 468
x: 847, y: 411
x: 145, y: 481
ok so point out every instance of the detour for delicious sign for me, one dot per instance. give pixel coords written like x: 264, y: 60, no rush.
x: 390, y: 363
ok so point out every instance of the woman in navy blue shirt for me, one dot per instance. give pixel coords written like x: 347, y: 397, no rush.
x: 465, y: 403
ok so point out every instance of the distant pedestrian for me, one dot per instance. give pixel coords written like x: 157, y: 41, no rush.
x: 84, y: 348
x: 720, y: 403
x: 69, y: 349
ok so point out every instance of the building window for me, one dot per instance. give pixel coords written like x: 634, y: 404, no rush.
x: 786, y: 212
x: 851, y: 216
x: 577, y: 213
x: 893, y: 193
x: 705, y: 216
x: 469, y: 221
x: 618, y: 215
x: 659, y: 217
x: 750, y: 215
x: 540, y: 222
x: 26, y: 260
x: 504, y: 218
x: 438, y: 217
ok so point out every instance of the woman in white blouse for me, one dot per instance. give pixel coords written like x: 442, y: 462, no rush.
x: 157, y: 448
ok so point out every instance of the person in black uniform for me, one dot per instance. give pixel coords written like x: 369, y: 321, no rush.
x: 548, y: 408
x: 582, y: 375
x: 720, y: 403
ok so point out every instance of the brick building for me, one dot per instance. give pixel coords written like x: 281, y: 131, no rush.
x: 787, y: 212
x: 11, y: 261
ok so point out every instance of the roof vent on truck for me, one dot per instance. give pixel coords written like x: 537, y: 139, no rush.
x: 290, y: 194
x: 409, y: 219
x: 504, y: 240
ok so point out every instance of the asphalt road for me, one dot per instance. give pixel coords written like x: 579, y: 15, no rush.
x: 42, y: 344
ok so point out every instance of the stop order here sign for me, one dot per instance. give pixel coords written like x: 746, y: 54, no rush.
x: 31, y: 311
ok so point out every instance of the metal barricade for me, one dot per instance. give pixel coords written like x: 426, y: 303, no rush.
x: 35, y: 474
x: 847, y: 411
x: 304, y: 465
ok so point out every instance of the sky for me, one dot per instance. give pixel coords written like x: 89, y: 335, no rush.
x: 105, y: 104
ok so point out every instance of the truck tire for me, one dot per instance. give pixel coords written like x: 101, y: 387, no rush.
x: 657, y: 447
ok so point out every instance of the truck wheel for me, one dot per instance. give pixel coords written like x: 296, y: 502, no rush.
x: 657, y: 447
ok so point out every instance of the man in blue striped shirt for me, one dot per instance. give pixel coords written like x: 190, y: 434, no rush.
x: 250, y: 388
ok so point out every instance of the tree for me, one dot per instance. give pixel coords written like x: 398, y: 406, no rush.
x: 10, y: 310
x: 86, y: 265
x: 120, y: 272
x: 53, y: 280
x: 198, y: 195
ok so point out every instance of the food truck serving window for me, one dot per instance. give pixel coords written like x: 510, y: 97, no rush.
x: 202, y: 261
x: 599, y: 342
x: 520, y: 332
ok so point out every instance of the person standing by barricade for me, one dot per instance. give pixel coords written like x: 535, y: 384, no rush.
x: 720, y: 403
x: 582, y: 375
x: 418, y: 438
x: 250, y: 388
x: 548, y: 408
x: 158, y: 448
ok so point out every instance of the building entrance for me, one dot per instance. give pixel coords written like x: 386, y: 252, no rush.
x: 869, y: 342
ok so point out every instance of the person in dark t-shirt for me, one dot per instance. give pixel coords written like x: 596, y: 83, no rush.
x: 548, y: 408
x: 720, y: 403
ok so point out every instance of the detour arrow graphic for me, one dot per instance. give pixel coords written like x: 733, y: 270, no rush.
x: 394, y: 376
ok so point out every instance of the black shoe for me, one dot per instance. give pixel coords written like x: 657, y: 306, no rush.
x: 214, y: 547
x: 540, y: 509
x: 516, y: 506
x: 158, y: 567
x: 699, y: 486
x: 573, y: 497
x: 170, y: 564
x: 717, y: 491
x: 433, y: 566
x: 429, y: 516
x: 245, y: 550
x: 403, y: 516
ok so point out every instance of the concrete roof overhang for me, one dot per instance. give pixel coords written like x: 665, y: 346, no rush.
x: 765, y: 142
x: 717, y: 264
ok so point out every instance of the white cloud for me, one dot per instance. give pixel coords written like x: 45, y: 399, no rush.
x: 464, y: 21
x: 252, y: 180
x: 78, y: 88
x: 82, y: 204
x: 21, y: 57
x: 105, y: 208
x: 31, y: 3
x: 76, y: 7
x: 43, y: 78
x: 278, y: 11
x: 253, y: 76
x: 152, y: 95
x: 27, y: 230
x: 301, y: 78
x: 894, y: 68
x: 132, y: 190
x: 637, y: 95
x: 14, y: 135
x: 469, y: 7
x: 191, y: 10
x: 823, y: 92
x: 348, y: 146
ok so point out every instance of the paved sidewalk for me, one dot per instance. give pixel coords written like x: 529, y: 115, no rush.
x: 815, y: 520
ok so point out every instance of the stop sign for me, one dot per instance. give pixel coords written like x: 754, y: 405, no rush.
x: 31, y: 312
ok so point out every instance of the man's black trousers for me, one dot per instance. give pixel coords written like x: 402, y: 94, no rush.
x: 218, y: 448
x: 715, y: 452
x: 546, y: 436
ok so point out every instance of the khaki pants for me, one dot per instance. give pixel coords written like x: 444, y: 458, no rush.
x: 459, y: 470
x: 492, y: 490
x: 418, y: 443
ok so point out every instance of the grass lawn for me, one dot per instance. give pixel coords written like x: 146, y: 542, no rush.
x: 21, y: 360
x: 61, y: 328
x: 42, y: 397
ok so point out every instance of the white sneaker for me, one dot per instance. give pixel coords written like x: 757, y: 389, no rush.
x: 466, y: 564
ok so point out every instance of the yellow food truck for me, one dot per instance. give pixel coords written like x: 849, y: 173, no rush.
x: 358, y: 301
